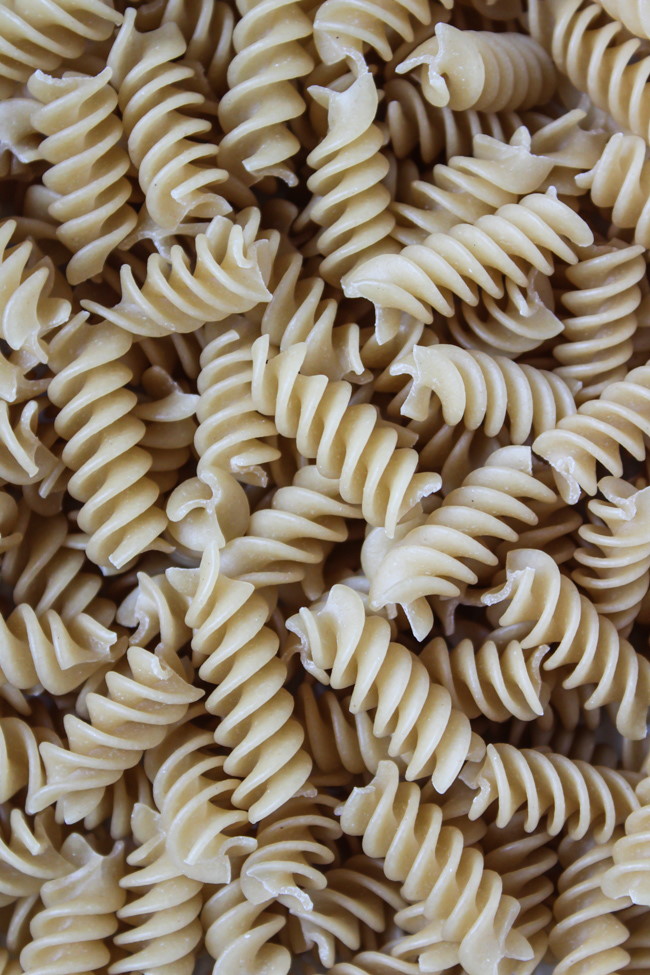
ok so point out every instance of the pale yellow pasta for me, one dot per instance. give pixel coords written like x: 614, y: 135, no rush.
x: 633, y: 14
x: 238, y: 934
x: 29, y: 855
x: 628, y: 876
x: 620, y: 179
x: 342, y: 28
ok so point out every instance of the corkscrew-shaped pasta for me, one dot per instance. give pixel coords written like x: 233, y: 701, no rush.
x: 482, y: 70
x: 343, y: 28
x: 589, y: 650
x: 349, y: 442
x: 109, y: 476
x: 176, y: 168
x: 47, y: 32
x: 142, y: 700
x: 598, y: 336
x: 72, y: 929
x: 228, y: 275
x: 447, y: 880
x: 619, y: 419
x: 511, y: 242
x: 20, y: 760
x: 432, y: 558
x: 238, y: 654
x: 232, y: 435
x: 350, y: 203
x: 168, y: 412
x: 568, y: 794
x: 479, y: 389
x: 29, y: 855
x: 600, y: 59
x: 425, y: 729
x: 163, y: 912
x: 620, y: 179
x: 614, y: 565
x: 87, y: 167
x: 289, y: 541
x: 207, y: 27
x: 155, y: 611
x: 633, y: 14
x: 629, y: 876
x: 637, y: 944
x: 116, y: 808
x: 587, y: 936
x: 238, y: 934
x: 270, y: 42
x: 202, y: 830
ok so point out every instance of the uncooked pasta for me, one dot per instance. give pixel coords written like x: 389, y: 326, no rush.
x: 324, y: 487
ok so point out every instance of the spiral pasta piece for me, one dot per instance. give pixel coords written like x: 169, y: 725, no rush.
x: 600, y: 59
x: 176, y: 168
x: 630, y: 872
x: 77, y: 917
x: 598, y: 337
x: 155, y: 611
x: 473, y: 919
x: 568, y: 794
x: 348, y: 442
x: 229, y: 275
x: 586, y: 931
x: 508, y: 71
x: 202, y: 831
x: 634, y: 15
x: 620, y: 179
x: 425, y: 276
x: 168, y: 412
x: 588, y: 648
x: 350, y: 203
x: 238, y: 934
x: 207, y: 27
x: 619, y: 419
x: 87, y: 167
x: 424, y: 728
x: 432, y: 558
x: 142, y: 700
x: 164, y: 929
x: 614, y: 565
x: 47, y: 32
x: 20, y: 760
x: 270, y: 42
x: 343, y: 28
x: 29, y: 855
x: 90, y: 391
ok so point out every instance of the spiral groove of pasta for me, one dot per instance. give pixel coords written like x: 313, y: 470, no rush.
x: 29, y: 855
x: 270, y: 42
x: 196, y: 816
x: 343, y: 29
x: 432, y: 558
x: 614, y: 565
x: 176, y: 169
x: 620, y: 179
x: 603, y: 61
x: 238, y: 934
x: 142, y: 700
x: 586, y: 930
x: 506, y: 72
x: 20, y: 759
x: 90, y: 391
x: 87, y: 167
x: 77, y: 917
x: 166, y: 930
x: 589, y: 650
x: 289, y: 541
x: 448, y: 881
x: 238, y: 654
x: 619, y: 419
x: 470, y: 256
x: 48, y: 32
x: 168, y: 413
x: 348, y: 442
x: 155, y: 611
x: 634, y: 15
x: 566, y: 793
x: 232, y: 435
x: 629, y: 875
x: 350, y: 202
x: 433, y: 737
x: 598, y: 337
x: 229, y: 275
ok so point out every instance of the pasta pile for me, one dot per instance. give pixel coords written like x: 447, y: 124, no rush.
x: 325, y: 496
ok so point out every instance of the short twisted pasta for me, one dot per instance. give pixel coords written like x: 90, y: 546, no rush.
x: 168, y: 413
x: 270, y: 42
x: 619, y: 419
x: 350, y: 202
x: 589, y: 650
x: 20, y: 760
x: 29, y: 855
x: 629, y: 875
x: 620, y: 179
x: 176, y: 168
x: 633, y: 14
x: 344, y: 28
x: 470, y: 256
x: 433, y: 737
x: 142, y: 700
x: 347, y: 442
x: 229, y: 274
x: 238, y: 934
x: 87, y: 167
x: 155, y: 611
x: 90, y: 392
x: 474, y: 919
x: 207, y: 27
x: 568, y: 794
x: 506, y: 71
